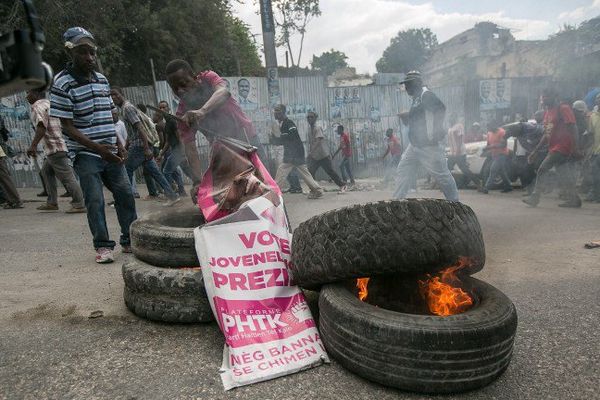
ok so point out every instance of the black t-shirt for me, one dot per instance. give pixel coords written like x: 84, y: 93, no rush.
x: 426, y: 120
x: 170, y: 132
x: 293, y: 149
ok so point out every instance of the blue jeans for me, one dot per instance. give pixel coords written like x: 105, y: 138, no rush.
x: 498, y: 168
x: 433, y: 159
x: 93, y: 172
x: 172, y: 161
x: 136, y: 158
x: 346, y: 171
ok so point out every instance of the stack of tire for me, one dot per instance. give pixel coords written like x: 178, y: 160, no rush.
x: 165, y: 282
x: 421, y: 353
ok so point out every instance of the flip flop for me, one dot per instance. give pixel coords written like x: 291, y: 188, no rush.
x: 592, y: 245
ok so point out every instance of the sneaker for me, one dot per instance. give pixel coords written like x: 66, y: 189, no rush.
x: 13, y: 206
x: 343, y: 190
x: 126, y: 249
x: 172, y: 202
x: 104, y: 255
x: 48, y: 207
x: 575, y: 203
x: 150, y: 197
x: 315, y: 194
x: 42, y: 194
x: 507, y: 190
x: 76, y: 210
x: 295, y: 191
x: 65, y: 194
x: 532, y: 201
x: 136, y: 195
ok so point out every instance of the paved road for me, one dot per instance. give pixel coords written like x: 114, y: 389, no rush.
x: 49, y: 285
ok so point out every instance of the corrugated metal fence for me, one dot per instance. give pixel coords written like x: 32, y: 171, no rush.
x: 365, y: 111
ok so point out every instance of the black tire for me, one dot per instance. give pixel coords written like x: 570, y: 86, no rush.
x: 410, y: 236
x: 166, y: 238
x: 166, y: 294
x: 420, y: 353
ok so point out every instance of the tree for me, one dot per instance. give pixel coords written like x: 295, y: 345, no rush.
x: 407, y: 51
x: 329, y: 61
x: 130, y: 32
x: 292, y: 17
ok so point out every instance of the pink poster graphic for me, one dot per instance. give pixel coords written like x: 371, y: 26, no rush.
x: 269, y: 329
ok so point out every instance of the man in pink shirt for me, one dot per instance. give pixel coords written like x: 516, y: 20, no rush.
x: 206, y: 105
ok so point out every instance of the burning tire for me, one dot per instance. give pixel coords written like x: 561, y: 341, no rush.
x: 421, y: 353
x: 388, y: 237
x: 166, y: 238
x: 166, y: 294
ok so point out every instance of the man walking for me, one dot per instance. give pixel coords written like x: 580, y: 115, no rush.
x: 139, y: 150
x: 56, y: 164
x: 458, y: 151
x: 425, y: 131
x: 172, y: 150
x: 346, y: 149
x: 394, y: 149
x: 560, y: 132
x: 594, y: 128
x: 293, y: 153
x: 318, y: 154
x: 80, y: 97
x: 497, y: 144
x: 8, y: 191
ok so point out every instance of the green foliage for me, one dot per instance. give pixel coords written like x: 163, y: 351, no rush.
x: 407, y: 51
x: 292, y: 18
x: 329, y: 61
x: 130, y: 32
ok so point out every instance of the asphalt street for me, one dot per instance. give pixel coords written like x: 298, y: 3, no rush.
x: 50, y: 349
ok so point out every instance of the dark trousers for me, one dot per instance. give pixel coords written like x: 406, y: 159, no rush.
x: 6, y: 183
x: 346, y: 170
x: 463, y: 165
x: 498, y: 168
x: 560, y: 162
x: 595, y: 162
x: 325, y: 163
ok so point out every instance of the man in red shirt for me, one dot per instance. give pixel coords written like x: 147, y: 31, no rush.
x: 346, y: 149
x: 394, y: 149
x: 207, y: 105
x: 560, y: 132
x: 497, y: 144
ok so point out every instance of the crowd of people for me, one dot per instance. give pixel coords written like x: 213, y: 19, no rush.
x: 93, y: 137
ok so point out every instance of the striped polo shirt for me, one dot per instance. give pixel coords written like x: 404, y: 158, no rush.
x: 88, y: 104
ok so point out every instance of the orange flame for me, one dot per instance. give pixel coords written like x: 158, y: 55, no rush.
x: 361, y: 284
x: 442, y: 296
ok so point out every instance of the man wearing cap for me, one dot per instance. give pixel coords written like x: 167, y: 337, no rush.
x: 319, y: 155
x: 293, y: 153
x: 80, y: 97
x: 425, y: 122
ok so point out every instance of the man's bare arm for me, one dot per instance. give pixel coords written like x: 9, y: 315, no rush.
x: 40, y: 131
x: 105, y: 151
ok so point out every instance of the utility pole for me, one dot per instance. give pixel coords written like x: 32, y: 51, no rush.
x: 268, y: 28
x: 154, y: 81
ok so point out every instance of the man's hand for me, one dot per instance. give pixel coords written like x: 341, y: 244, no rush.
x: 32, y: 152
x: 122, y: 152
x: 106, y: 152
x: 194, y: 117
x: 531, y: 158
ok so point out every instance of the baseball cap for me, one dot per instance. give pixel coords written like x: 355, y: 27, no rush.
x: 78, y: 36
x: 279, y: 107
x: 411, y: 76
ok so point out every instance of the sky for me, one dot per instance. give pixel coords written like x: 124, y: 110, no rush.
x: 362, y: 29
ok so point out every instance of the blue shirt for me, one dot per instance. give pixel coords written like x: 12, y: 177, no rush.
x: 88, y: 104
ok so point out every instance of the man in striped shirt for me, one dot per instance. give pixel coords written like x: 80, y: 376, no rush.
x: 80, y: 97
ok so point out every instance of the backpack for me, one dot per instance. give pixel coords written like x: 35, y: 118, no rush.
x: 149, y: 128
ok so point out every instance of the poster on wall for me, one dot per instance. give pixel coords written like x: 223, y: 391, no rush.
x: 246, y: 93
x: 494, y: 94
